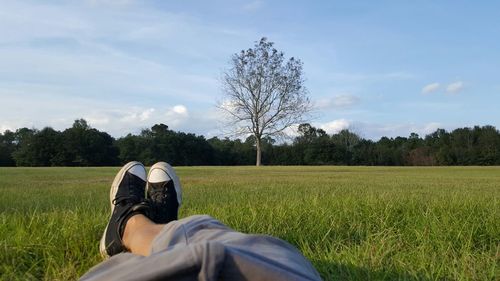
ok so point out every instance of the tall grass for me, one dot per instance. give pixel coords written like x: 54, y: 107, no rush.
x: 357, y: 223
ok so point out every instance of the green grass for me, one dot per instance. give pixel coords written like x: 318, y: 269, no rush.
x: 357, y: 223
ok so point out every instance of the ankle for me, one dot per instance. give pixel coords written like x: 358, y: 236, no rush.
x: 131, y: 226
x: 132, y: 222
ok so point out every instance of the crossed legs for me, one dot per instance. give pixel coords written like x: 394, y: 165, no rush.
x: 140, y: 207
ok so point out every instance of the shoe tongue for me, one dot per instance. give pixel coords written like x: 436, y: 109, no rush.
x: 132, y: 186
x: 138, y: 171
x: 158, y: 175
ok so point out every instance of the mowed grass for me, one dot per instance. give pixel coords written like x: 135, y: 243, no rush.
x: 353, y: 223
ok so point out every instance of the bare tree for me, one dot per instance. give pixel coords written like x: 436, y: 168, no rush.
x: 264, y: 93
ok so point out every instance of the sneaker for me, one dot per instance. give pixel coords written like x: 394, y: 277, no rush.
x: 127, y: 199
x: 164, y: 193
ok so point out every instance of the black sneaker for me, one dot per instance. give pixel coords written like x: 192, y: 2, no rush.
x: 127, y: 199
x: 164, y: 193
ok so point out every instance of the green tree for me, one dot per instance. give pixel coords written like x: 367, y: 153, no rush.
x: 7, y: 148
x: 23, y: 138
x: 131, y: 148
x: 487, y: 145
x: 345, y: 141
x: 40, y: 149
x: 86, y: 146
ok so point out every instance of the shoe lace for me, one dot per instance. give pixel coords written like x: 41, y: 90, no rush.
x: 119, y: 199
x: 159, y: 194
x: 134, y: 193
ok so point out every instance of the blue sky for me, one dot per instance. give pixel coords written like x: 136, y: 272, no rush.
x: 376, y: 67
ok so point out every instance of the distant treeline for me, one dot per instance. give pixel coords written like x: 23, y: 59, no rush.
x: 82, y: 145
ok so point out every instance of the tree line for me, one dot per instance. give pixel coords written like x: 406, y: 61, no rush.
x: 82, y: 145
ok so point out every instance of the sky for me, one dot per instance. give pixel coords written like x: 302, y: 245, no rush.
x: 378, y: 68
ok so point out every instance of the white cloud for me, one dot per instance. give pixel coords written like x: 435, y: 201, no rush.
x: 430, y: 88
x: 135, y: 115
x: 430, y: 128
x: 180, y: 109
x: 146, y: 114
x: 341, y: 101
x: 335, y: 126
x: 94, y: 120
x: 5, y: 127
x: 452, y: 88
x: 375, y: 130
x: 455, y: 87
x: 176, y: 116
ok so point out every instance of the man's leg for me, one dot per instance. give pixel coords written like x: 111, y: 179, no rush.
x: 139, y: 234
x: 164, y: 194
x: 136, y: 220
x: 127, y: 200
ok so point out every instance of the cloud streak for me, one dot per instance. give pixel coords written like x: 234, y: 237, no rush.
x: 455, y: 87
x: 451, y: 88
x: 342, y: 101
x: 377, y: 130
x: 430, y: 88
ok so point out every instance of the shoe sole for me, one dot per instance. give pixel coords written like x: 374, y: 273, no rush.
x: 171, y: 173
x: 112, y: 193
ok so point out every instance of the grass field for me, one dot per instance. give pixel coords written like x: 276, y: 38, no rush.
x: 354, y: 223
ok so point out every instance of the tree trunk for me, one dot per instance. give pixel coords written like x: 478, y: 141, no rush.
x: 257, y: 144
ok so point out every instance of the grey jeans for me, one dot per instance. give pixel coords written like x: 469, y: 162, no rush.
x: 202, y: 248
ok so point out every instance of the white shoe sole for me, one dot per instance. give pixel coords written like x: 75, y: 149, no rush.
x: 112, y: 193
x: 171, y: 173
